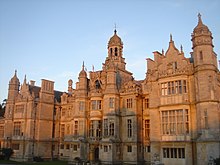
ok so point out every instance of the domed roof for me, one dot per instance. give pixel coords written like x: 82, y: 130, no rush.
x: 14, y: 79
x: 115, y: 40
x: 70, y: 82
x: 83, y: 72
x: 200, y: 26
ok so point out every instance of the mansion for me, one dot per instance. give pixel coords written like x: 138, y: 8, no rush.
x: 171, y: 117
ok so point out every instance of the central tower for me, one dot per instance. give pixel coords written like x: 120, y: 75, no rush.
x: 115, y: 52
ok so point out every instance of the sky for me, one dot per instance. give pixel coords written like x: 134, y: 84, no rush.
x: 50, y: 39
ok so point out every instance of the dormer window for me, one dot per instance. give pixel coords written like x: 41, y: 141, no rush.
x: 97, y: 84
x: 174, y: 65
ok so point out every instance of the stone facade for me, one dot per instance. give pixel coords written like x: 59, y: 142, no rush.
x: 172, y: 116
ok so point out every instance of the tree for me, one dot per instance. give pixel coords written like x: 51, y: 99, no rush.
x: 2, y: 108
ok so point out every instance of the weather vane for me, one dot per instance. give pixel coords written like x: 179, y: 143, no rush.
x: 115, y: 28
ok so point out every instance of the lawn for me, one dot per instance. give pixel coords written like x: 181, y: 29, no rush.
x: 34, y: 163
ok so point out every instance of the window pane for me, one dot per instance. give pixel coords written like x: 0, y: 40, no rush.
x: 173, y: 122
x: 129, y: 125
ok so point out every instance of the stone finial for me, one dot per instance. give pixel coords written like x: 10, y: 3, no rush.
x: 25, y: 79
x: 162, y: 52
x: 83, y: 66
x: 171, y: 37
x: 115, y: 31
x: 199, y: 17
x: 200, y: 23
x: 181, y: 48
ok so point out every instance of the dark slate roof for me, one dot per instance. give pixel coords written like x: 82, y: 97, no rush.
x: 57, y: 95
x: 36, y: 91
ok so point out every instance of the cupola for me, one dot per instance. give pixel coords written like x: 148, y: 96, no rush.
x: 83, y: 72
x: 115, y: 40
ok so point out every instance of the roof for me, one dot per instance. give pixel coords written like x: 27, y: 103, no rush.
x: 57, y: 95
x: 36, y: 91
x: 115, y: 40
x: 200, y: 24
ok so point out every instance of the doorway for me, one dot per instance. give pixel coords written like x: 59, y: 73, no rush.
x: 96, y: 154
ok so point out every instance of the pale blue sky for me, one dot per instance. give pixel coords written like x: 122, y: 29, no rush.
x: 49, y: 39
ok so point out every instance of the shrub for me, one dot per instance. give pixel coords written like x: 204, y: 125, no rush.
x: 38, y: 159
x: 217, y: 161
x: 7, y: 152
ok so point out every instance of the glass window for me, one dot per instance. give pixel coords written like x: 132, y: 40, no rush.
x: 184, y: 86
x: 174, y: 65
x: 76, y: 127
x: 75, y: 147
x: 129, y: 148
x: 175, y: 153
x: 61, y: 146
x: 81, y: 105
x: 98, y: 128
x: 111, y: 102
x: 97, y: 84
x: 96, y: 104
x: 146, y: 103
x: 105, y: 148
x: 174, y: 87
x: 91, y: 128
x: 67, y: 146
x: 147, y: 149
x: 147, y: 129
x: 129, y: 103
x: 180, y: 87
x: 175, y: 122
x: 164, y: 89
x: 95, y: 128
x: 129, y: 125
x: 105, y: 123
x: 111, y: 128
x: 17, y: 129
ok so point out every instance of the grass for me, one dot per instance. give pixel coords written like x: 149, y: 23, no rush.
x: 57, y: 162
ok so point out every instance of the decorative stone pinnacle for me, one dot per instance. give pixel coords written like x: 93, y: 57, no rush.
x: 171, y: 37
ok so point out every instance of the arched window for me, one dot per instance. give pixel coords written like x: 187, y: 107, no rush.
x: 200, y: 56
x: 97, y: 84
x: 111, y: 51
x: 116, y: 51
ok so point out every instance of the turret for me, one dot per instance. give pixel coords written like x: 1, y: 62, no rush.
x: 115, y: 51
x: 13, y: 89
x: 83, y: 81
x: 70, y: 86
x: 205, y: 62
x: 202, y: 46
x: 206, y: 91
